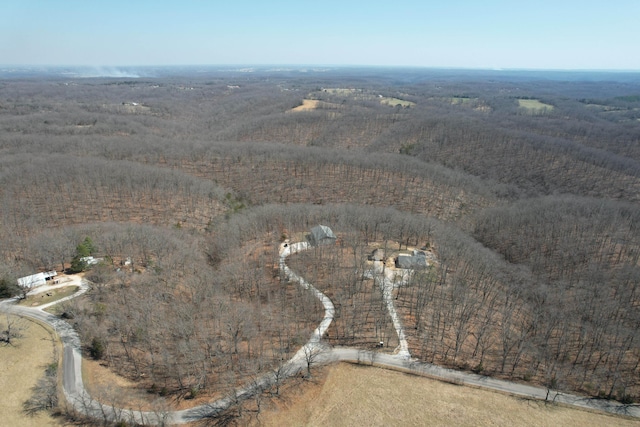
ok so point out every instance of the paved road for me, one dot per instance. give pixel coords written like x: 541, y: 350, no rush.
x: 313, y: 352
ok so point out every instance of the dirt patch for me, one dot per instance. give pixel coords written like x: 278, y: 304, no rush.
x: 356, y: 395
x: 20, y: 368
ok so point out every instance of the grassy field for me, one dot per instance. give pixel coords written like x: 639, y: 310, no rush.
x: 49, y: 296
x: 355, y: 395
x: 534, y: 106
x: 20, y: 368
x: 397, y: 101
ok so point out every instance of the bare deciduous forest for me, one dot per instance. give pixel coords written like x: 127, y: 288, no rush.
x: 186, y: 183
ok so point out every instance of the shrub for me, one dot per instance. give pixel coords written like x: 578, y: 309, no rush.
x: 97, y: 348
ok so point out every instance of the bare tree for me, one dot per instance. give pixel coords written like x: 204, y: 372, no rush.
x: 13, y: 329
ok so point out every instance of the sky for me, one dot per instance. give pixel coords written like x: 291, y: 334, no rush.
x: 485, y: 34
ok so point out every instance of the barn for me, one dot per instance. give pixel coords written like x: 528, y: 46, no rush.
x: 321, y: 235
x: 35, y: 280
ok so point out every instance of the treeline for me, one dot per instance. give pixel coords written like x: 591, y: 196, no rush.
x: 260, y: 173
x: 583, y: 254
x: 41, y: 193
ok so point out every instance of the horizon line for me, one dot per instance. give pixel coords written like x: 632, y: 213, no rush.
x: 343, y: 66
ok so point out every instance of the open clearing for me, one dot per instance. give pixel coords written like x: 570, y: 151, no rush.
x: 534, y: 106
x: 307, y: 105
x: 20, y: 368
x: 397, y: 101
x: 359, y: 395
x: 314, y: 104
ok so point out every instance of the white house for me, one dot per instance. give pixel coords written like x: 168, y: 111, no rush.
x: 35, y: 280
x: 89, y: 260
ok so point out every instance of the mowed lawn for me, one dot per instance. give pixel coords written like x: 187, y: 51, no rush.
x: 366, y: 396
x: 20, y: 368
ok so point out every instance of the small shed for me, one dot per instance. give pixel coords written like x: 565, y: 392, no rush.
x: 37, y: 279
x: 321, y: 235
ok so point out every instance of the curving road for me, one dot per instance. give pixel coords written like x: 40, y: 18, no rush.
x: 313, y: 352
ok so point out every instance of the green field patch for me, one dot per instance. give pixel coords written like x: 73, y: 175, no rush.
x: 628, y: 98
x: 534, y: 106
x: 396, y: 101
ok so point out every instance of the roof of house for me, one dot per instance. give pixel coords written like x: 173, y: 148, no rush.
x: 417, y: 260
x: 36, y: 279
x: 321, y: 232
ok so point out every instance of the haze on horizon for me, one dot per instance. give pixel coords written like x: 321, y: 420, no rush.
x: 494, y: 34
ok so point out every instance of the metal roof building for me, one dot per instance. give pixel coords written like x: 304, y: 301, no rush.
x: 321, y: 235
x: 35, y: 280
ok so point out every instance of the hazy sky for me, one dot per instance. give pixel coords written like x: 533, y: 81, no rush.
x: 533, y: 34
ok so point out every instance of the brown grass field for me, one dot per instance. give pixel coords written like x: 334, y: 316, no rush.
x: 307, y: 105
x: 349, y: 395
x: 20, y: 368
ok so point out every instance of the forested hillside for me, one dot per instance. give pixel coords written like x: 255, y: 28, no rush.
x: 525, y: 186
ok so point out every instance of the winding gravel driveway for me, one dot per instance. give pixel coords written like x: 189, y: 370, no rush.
x: 314, y: 351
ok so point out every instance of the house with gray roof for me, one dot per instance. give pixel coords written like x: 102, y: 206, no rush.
x: 416, y: 261
x: 321, y: 235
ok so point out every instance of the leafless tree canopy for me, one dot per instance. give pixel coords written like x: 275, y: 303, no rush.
x: 187, y: 184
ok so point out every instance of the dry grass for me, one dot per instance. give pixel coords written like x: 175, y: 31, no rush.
x: 314, y: 104
x: 110, y: 388
x: 356, y: 395
x: 307, y: 105
x: 49, y: 296
x: 20, y: 368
